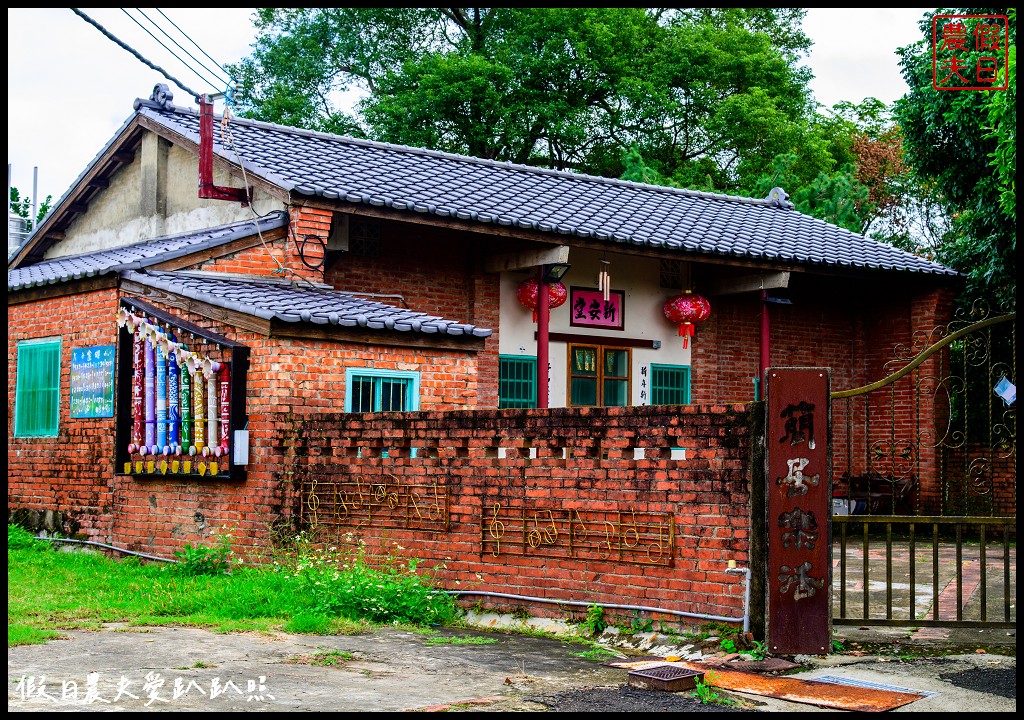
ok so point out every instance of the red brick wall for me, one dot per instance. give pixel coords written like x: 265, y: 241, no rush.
x: 582, y: 520
x: 74, y: 474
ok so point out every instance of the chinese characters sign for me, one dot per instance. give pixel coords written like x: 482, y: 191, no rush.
x: 970, y: 52
x: 588, y: 308
x: 798, y: 506
x: 92, y: 382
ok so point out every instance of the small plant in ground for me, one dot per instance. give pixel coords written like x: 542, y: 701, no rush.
x: 759, y: 651
x: 838, y: 646
x: 594, y: 624
x: 328, y: 658
x: 705, y: 694
x: 308, y: 623
x: 728, y: 646
x: 205, y: 559
x: 595, y: 653
x: 521, y: 613
x: 466, y: 640
x: 639, y: 624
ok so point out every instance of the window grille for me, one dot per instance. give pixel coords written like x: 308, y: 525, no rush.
x: 670, y: 385
x: 517, y: 381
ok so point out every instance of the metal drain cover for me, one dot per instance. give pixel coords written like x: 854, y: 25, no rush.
x: 671, y: 678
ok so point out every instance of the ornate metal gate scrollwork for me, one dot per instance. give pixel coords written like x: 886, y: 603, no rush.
x: 934, y: 437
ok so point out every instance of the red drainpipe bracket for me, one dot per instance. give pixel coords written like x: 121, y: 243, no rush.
x: 207, y: 189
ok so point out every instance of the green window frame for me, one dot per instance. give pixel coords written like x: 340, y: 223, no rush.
x: 670, y: 384
x: 371, y: 390
x: 517, y: 381
x: 37, y: 392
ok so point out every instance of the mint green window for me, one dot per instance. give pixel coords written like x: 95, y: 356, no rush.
x: 670, y: 385
x: 517, y: 381
x: 369, y: 390
x: 37, y: 396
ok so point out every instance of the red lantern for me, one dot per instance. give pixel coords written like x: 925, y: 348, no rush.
x: 527, y: 295
x: 685, y: 310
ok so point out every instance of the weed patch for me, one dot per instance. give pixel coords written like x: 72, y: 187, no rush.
x: 460, y: 640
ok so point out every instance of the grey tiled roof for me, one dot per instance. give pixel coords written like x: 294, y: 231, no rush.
x: 560, y: 203
x: 288, y: 302
x: 139, y: 255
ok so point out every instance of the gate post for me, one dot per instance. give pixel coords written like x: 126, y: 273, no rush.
x: 798, y: 471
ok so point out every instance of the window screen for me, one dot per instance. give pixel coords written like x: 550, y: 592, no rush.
x: 37, y: 397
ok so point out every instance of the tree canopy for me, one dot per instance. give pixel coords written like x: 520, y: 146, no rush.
x: 961, y: 145
x: 706, y: 95
x: 706, y: 98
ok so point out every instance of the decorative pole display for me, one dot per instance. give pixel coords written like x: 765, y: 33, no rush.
x: 138, y: 392
x: 225, y: 408
x: 198, y: 415
x: 181, y: 400
x: 186, y: 407
x: 161, y: 400
x: 173, y: 402
x: 212, y: 448
x: 686, y: 310
x: 150, y: 445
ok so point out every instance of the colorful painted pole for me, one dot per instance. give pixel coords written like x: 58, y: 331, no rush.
x: 150, y: 391
x: 173, y: 403
x: 225, y: 408
x: 161, y: 400
x: 198, y: 415
x: 186, y: 407
x: 138, y: 389
x: 211, y: 413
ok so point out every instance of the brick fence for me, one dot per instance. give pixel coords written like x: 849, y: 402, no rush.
x: 634, y: 506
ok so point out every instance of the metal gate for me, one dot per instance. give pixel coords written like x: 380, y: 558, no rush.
x: 924, y: 486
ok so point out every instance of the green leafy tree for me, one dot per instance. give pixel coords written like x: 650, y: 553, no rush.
x: 705, y: 95
x: 22, y: 207
x: 961, y: 146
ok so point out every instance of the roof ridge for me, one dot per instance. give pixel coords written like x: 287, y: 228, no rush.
x: 769, y: 201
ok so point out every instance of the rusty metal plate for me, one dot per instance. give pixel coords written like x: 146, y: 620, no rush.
x: 799, y: 497
x: 669, y: 677
x: 809, y: 692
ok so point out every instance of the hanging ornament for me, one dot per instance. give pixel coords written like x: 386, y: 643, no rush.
x: 527, y: 295
x: 686, y: 310
x: 604, y: 280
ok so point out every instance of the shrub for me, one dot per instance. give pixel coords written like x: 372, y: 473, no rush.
x: 18, y: 538
x: 205, y: 560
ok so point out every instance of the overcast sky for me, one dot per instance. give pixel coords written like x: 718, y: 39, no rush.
x: 70, y: 88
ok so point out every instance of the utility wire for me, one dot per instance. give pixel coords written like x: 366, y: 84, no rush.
x: 222, y: 69
x: 176, y: 57
x: 159, y: 69
x: 197, y: 60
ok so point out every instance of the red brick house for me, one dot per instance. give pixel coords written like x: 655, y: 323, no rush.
x: 328, y: 274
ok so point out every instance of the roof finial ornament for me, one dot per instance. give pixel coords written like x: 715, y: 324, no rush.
x: 162, y: 96
x: 777, y: 197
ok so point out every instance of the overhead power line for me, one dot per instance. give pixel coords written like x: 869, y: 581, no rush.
x: 185, y: 34
x: 139, y: 57
x: 217, y: 80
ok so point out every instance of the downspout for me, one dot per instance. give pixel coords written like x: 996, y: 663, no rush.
x: 543, y: 312
x: 207, y: 190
